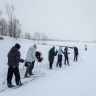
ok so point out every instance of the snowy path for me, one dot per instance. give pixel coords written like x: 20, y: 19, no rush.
x: 79, y: 79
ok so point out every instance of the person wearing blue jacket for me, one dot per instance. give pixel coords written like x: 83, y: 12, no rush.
x: 66, y: 55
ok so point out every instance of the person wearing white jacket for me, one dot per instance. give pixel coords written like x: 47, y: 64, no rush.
x: 30, y: 59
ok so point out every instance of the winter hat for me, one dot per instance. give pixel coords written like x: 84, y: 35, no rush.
x: 17, y: 46
x: 53, y: 47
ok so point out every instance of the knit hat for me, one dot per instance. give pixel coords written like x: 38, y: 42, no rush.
x: 17, y: 46
x: 53, y: 47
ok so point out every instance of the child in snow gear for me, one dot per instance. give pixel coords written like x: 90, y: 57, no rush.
x: 75, y: 53
x: 66, y: 55
x: 13, y: 63
x: 59, y: 57
x: 52, y: 53
x: 30, y: 59
x: 85, y: 47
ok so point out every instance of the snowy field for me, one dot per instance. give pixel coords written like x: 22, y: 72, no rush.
x: 78, y: 79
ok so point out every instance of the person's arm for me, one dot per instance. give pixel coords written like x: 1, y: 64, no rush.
x: 18, y: 59
x: 33, y: 56
x: 62, y: 51
x: 55, y: 53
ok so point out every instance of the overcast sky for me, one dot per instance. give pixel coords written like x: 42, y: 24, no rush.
x: 58, y: 19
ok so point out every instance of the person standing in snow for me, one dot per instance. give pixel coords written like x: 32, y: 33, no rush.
x: 52, y: 53
x: 75, y: 53
x: 59, y: 57
x: 13, y: 63
x: 85, y: 47
x: 66, y: 55
x: 30, y: 59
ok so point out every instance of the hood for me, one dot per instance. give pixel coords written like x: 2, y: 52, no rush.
x: 31, y: 48
x: 60, y: 48
x: 60, y: 52
x: 13, y: 49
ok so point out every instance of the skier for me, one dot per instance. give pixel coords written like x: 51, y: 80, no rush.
x: 75, y: 53
x: 85, y: 47
x: 30, y: 59
x: 13, y: 63
x: 52, y: 53
x: 66, y: 55
x: 59, y: 57
x: 38, y: 56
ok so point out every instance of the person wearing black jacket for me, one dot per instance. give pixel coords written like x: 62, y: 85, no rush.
x: 75, y: 53
x: 13, y: 63
x: 52, y: 53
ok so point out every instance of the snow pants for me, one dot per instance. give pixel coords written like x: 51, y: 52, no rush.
x: 75, y: 57
x: 59, y: 61
x: 66, y: 59
x: 50, y: 64
x: 11, y: 70
x: 29, y: 68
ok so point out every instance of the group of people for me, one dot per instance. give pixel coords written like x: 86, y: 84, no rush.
x: 60, y: 52
x: 14, y: 59
x: 32, y: 56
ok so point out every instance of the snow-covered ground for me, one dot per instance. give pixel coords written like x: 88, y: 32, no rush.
x: 78, y: 79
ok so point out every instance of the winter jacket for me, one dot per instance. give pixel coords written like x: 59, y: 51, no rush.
x: 31, y: 55
x: 65, y: 52
x: 52, y: 53
x: 60, y: 51
x: 14, y: 57
x: 75, y: 51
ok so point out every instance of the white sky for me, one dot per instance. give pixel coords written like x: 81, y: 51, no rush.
x: 58, y: 19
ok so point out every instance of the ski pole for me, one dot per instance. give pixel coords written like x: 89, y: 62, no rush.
x: 80, y: 57
x: 47, y: 65
x: 37, y: 68
x: 40, y: 67
x: 22, y: 70
x: 4, y: 80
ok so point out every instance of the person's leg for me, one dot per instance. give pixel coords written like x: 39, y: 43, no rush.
x: 17, y: 75
x: 67, y: 60
x: 60, y: 64
x: 27, y: 70
x: 9, y: 76
x: 57, y: 61
x: 31, y: 67
x: 51, y: 64
x: 74, y: 58
x: 61, y: 61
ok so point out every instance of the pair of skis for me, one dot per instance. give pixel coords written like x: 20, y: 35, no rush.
x: 33, y: 77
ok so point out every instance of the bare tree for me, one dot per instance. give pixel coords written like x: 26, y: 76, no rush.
x: 0, y: 23
x: 10, y: 12
x: 44, y: 37
x: 1, y: 13
x: 27, y: 35
x: 3, y: 27
x: 37, y: 36
x: 16, y: 28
